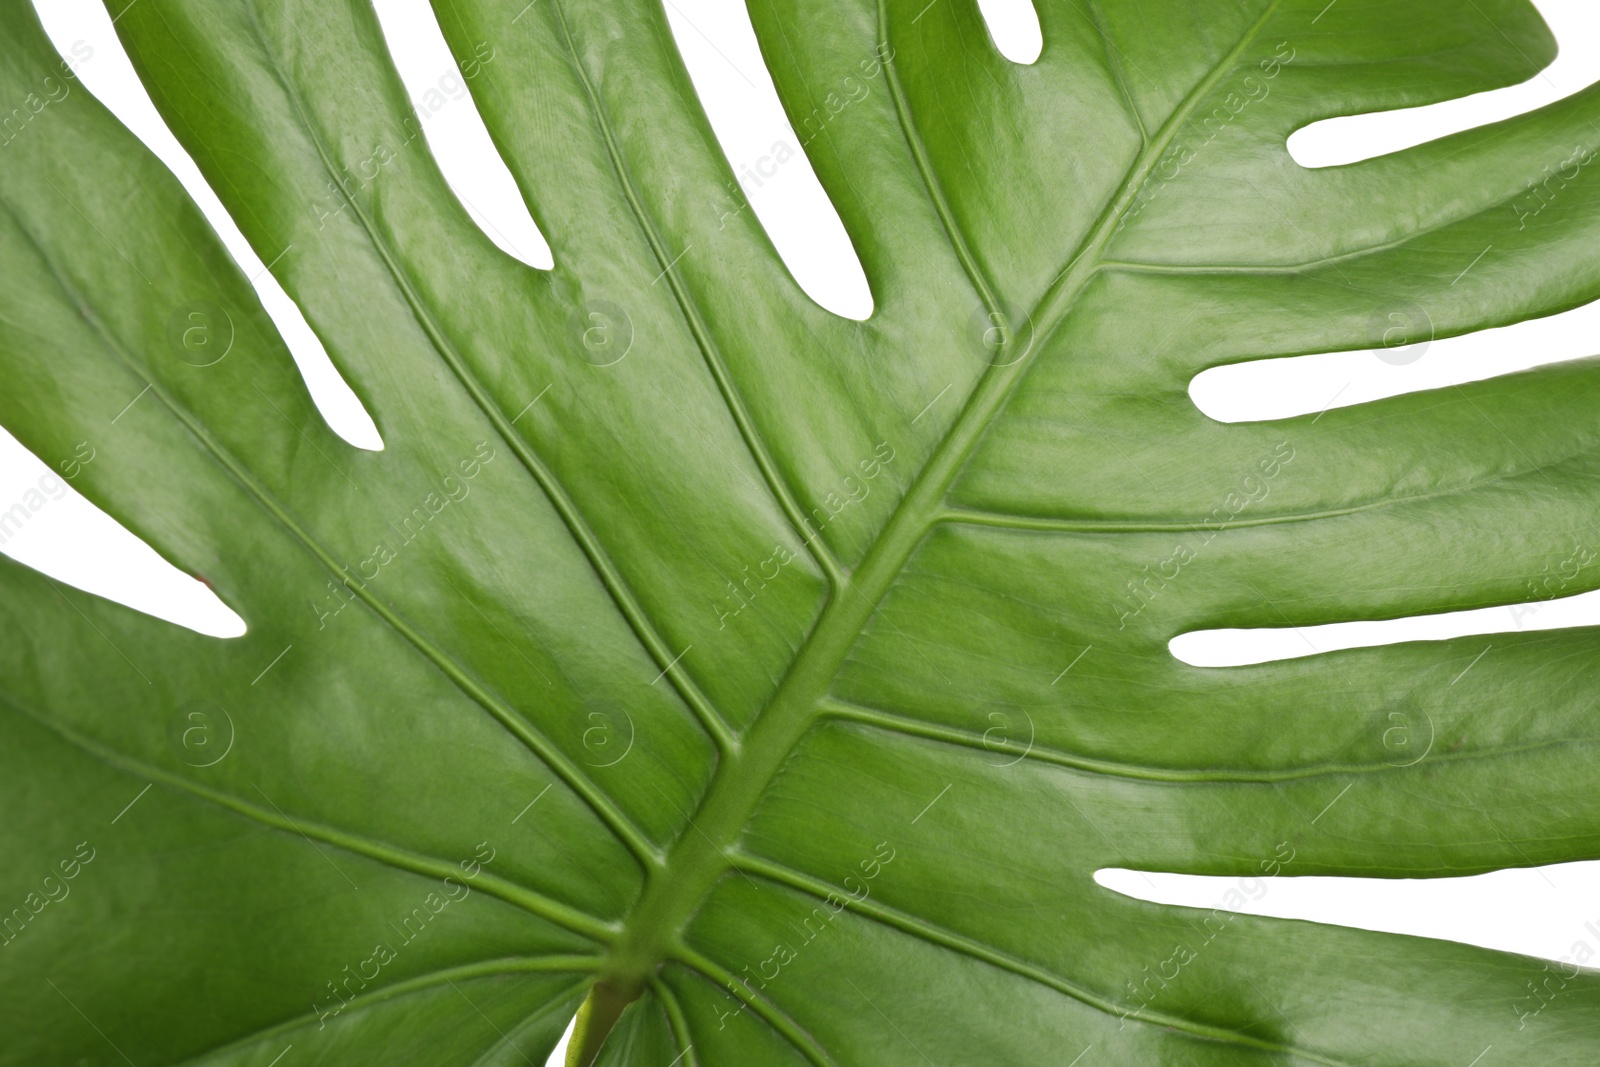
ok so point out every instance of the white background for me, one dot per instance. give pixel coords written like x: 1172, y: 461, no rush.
x: 1539, y: 912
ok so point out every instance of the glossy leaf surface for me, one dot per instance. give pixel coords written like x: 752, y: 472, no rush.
x: 789, y: 673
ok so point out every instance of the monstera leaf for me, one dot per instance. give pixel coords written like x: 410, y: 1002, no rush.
x: 773, y: 684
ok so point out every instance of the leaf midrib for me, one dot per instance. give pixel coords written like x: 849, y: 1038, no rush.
x: 653, y: 932
x: 676, y: 889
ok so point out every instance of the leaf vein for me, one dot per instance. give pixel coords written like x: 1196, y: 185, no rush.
x: 709, y: 351
x: 894, y: 723
x: 421, y: 983
x: 948, y: 939
x: 610, y: 577
x: 769, y: 1012
x: 400, y: 859
x: 533, y: 739
x: 654, y: 928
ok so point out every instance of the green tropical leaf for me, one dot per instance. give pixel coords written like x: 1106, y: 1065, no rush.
x: 774, y: 683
